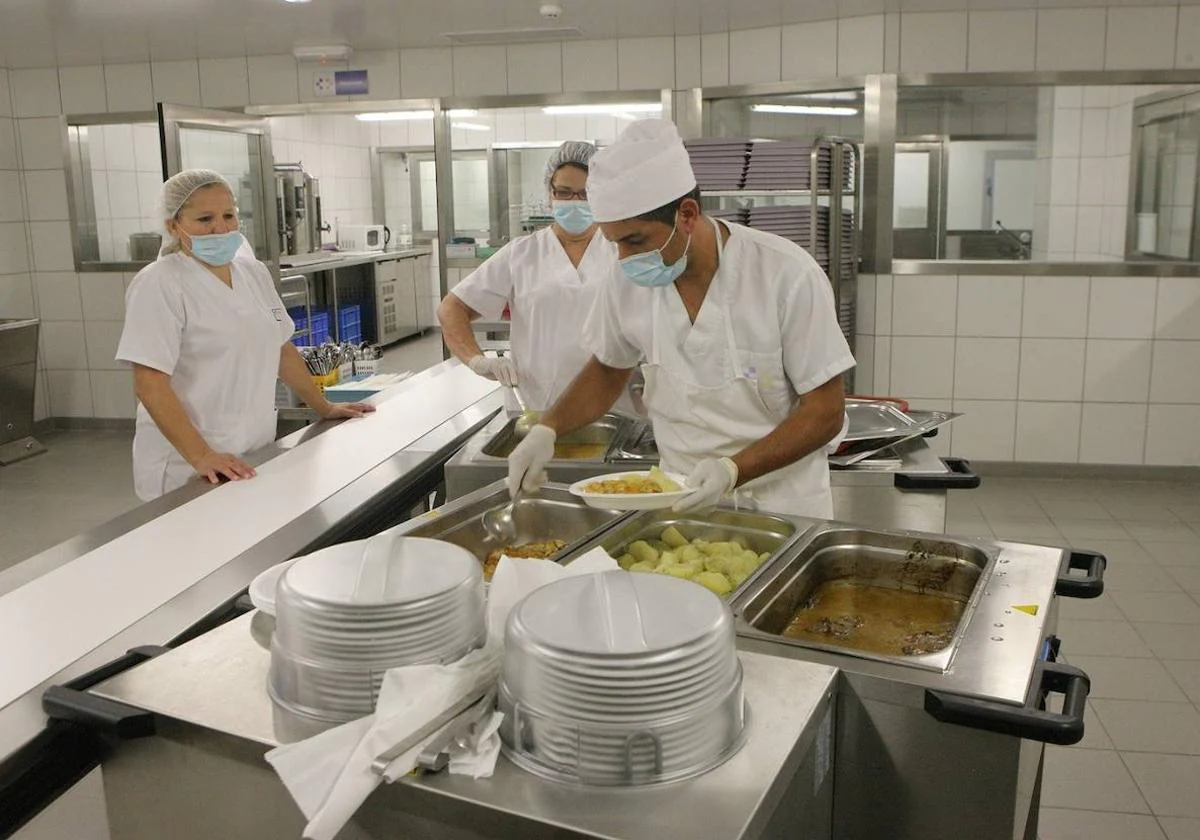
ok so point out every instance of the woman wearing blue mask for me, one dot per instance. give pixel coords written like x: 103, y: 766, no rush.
x: 736, y: 329
x: 207, y: 336
x: 548, y: 281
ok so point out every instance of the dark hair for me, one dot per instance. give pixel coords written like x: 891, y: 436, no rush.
x: 666, y: 214
x: 582, y: 167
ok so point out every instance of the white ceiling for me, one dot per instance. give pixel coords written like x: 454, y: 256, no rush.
x: 37, y: 33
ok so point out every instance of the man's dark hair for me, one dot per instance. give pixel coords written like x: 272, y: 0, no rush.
x: 666, y: 214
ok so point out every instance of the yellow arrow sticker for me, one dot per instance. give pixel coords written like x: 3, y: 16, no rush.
x: 1031, y: 609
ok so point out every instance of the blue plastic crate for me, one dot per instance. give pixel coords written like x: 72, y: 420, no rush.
x: 317, y: 332
x: 350, y: 323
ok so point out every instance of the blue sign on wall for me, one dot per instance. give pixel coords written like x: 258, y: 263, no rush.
x: 350, y: 83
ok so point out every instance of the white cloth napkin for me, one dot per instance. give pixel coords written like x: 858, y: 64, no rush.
x: 330, y: 775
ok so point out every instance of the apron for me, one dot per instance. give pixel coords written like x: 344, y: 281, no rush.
x: 693, y: 422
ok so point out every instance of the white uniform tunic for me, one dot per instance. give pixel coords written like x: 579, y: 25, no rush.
x: 766, y: 332
x: 549, y: 300
x: 219, y: 345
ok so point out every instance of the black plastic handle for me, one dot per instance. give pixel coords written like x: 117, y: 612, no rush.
x: 1030, y: 721
x: 1089, y: 585
x: 960, y: 477
x: 95, y: 712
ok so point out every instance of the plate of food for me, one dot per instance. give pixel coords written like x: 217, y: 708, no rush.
x: 645, y: 490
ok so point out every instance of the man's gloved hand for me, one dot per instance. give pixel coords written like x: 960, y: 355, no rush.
x: 527, y: 463
x: 712, y: 480
x: 501, y: 369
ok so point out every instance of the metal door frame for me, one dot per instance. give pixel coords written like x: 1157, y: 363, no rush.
x: 935, y: 147
x: 173, y: 118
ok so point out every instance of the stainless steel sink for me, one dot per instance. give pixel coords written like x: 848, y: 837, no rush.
x: 592, y: 443
x: 952, y: 571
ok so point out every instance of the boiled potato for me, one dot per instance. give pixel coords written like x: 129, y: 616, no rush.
x: 673, y: 538
x: 625, y: 561
x: 684, y: 572
x: 643, y: 552
x: 714, y: 582
x: 643, y: 566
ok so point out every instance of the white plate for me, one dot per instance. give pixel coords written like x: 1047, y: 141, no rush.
x: 262, y: 588
x: 630, y: 501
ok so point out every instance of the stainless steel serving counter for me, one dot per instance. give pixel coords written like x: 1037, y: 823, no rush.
x: 215, y: 721
x: 148, y: 576
x: 309, y: 264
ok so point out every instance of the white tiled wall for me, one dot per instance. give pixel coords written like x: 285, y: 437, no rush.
x: 36, y: 270
x: 1056, y: 369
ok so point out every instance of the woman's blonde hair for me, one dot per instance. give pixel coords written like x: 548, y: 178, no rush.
x: 174, y: 197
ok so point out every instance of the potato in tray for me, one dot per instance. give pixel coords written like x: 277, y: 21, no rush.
x: 720, y: 566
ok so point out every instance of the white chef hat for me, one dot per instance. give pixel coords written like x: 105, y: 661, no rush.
x: 644, y: 169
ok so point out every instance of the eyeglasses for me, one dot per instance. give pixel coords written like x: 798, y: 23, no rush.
x: 564, y: 194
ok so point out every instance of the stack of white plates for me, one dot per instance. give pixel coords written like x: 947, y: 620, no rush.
x: 621, y: 679
x: 347, y: 614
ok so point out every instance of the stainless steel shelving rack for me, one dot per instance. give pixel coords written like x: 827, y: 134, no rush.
x: 836, y: 193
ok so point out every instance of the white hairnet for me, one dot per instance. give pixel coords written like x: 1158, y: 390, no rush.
x: 578, y: 152
x: 175, y: 194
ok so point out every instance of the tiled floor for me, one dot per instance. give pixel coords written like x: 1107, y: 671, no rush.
x: 1136, y: 776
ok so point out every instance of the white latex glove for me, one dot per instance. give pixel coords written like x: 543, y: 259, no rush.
x: 713, y: 479
x: 502, y: 370
x: 527, y: 463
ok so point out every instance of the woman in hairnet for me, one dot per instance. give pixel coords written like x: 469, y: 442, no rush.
x: 549, y: 282
x: 743, y: 352
x: 207, y: 336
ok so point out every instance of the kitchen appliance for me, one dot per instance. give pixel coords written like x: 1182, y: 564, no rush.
x: 945, y: 739
x: 18, y: 375
x: 362, y: 237
x: 298, y: 199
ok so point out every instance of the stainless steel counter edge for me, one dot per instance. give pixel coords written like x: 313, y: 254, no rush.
x: 22, y: 718
x: 353, y: 259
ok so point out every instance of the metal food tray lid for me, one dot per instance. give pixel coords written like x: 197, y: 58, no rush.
x: 923, y: 422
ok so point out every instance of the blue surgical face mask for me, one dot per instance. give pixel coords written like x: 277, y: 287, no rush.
x: 573, y: 216
x: 216, y: 248
x: 649, y: 269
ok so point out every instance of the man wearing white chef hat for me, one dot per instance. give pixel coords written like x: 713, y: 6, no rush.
x: 736, y: 329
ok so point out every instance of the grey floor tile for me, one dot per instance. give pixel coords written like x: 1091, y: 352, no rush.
x: 1163, y: 532
x: 1170, y: 641
x: 1064, y: 824
x: 1168, y: 782
x: 1023, y: 507
x: 1095, y: 737
x: 414, y: 354
x: 1172, y: 554
x: 1075, y: 509
x: 1188, y: 513
x: 1125, y: 678
x: 1059, y: 488
x: 1138, y: 577
x: 1187, y: 674
x: 1188, y: 577
x: 1167, y: 607
x: 1082, y: 637
x: 1103, y: 608
x: 1090, y: 780
x: 1121, y: 551
x: 1136, y: 509
x: 1180, y: 828
x: 1091, y: 529
x: 1141, y: 726
x: 1025, y: 528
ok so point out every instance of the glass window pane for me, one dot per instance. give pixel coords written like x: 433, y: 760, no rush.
x: 236, y: 156
x: 910, y: 198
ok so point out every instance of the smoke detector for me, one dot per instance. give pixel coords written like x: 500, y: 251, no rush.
x: 550, y: 11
